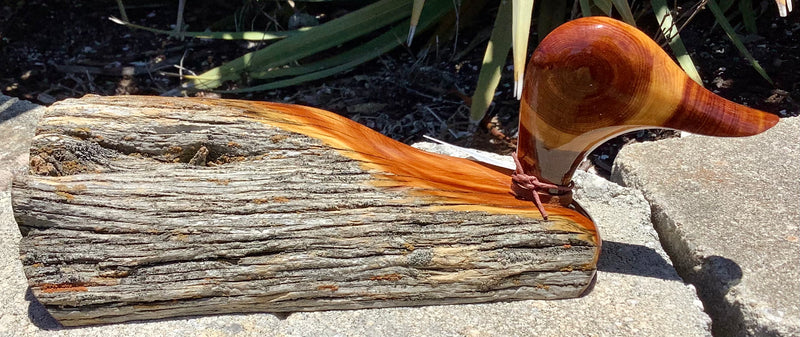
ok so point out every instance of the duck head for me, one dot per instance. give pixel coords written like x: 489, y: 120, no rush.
x: 595, y: 78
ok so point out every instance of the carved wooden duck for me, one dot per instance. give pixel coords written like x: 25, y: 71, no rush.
x: 124, y: 217
x: 595, y: 78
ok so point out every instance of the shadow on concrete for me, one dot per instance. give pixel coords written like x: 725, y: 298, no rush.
x: 715, y: 277
x: 39, y: 315
x: 11, y: 107
x: 625, y: 258
x: 726, y: 272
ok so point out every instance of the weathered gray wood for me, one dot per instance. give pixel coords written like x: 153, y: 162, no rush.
x: 143, y: 208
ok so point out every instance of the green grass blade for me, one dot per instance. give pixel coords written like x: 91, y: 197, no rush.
x: 586, y: 8
x: 624, y: 10
x: 552, y: 13
x: 748, y: 17
x: 675, y: 43
x: 604, y: 5
x: 520, y: 30
x: 725, y: 5
x: 416, y: 11
x: 726, y: 26
x: 249, y: 36
x: 122, y: 12
x: 308, y: 73
x: 315, y: 39
x: 434, y: 10
x: 493, y: 61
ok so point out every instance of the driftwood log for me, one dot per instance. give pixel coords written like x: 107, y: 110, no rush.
x: 145, y: 207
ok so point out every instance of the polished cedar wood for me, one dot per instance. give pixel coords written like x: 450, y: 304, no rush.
x: 595, y: 78
x: 453, y: 183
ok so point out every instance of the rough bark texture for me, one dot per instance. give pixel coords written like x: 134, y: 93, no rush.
x: 144, y: 208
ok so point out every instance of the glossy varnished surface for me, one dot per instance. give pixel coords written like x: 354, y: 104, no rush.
x: 595, y: 78
x: 455, y: 183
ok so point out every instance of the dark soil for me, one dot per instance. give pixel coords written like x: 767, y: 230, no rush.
x: 52, y: 50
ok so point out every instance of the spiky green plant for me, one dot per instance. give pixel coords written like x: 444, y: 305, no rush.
x: 283, y: 62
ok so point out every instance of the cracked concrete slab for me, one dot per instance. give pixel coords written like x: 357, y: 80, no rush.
x: 727, y: 211
x: 638, y: 292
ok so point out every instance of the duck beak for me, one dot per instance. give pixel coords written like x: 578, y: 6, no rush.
x: 702, y: 112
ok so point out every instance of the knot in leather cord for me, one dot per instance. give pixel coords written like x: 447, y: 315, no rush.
x: 526, y: 186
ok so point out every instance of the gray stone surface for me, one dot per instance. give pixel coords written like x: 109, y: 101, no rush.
x: 638, y: 292
x: 728, y: 210
x: 18, y: 120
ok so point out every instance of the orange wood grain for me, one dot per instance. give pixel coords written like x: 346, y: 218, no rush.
x: 449, y: 183
x: 62, y: 287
